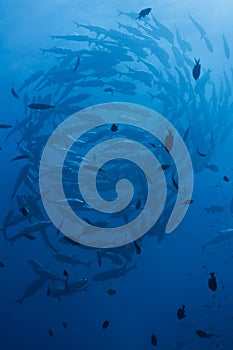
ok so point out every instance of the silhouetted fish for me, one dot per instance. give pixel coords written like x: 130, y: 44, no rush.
x: 40, y: 106
x: 154, y: 341
x: 181, y: 313
x: 212, y: 282
x: 143, y: 13
x: 196, y: 69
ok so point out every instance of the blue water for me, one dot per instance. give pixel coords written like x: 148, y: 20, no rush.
x: 172, y: 269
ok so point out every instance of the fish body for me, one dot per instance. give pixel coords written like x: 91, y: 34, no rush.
x: 181, y: 313
x: 212, y: 282
x: 41, y: 106
x: 143, y: 13
x: 196, y: 69
x: 226, y: 48
x: 32, y: 289
x: 5, y: 126
x: 222, y: 236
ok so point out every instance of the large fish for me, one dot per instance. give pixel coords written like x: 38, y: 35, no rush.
x: 222, y: 236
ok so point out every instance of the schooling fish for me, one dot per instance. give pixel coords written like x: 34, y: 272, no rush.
x: 5, y: 126
x: 111, y: 291
x: 105, y: 324
x: 21, y: 156
x: 13, y: 92
x: 196, y: 69
x: 181, y: 313
x: 77, y: 64
x: 41, y: 106
x: 212, y: 282
x: 226, y: 48
x: 154, y: 341
x: 203, y: 334
x: 143, y: 13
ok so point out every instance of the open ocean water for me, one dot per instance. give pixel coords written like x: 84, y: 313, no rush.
x: 155, y: 70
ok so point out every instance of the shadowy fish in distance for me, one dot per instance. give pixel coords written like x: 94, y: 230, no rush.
x: 77, y: 64
x: 105, y: 324
x: 202, y: 334
x: 111, y: 291
x: 226, y: 48
x: 196, y: 69
x: 181, y: 312
x: 222, y: 236
x: 154, y: 340
x: 20, y: 157
x: 212, y: 282
x: 197, y: 25
x: 5, y: 126
x: 143, y: 13
x: 13, y: 92
x: 41, y: 106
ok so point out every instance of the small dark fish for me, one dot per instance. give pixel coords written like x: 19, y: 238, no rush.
x: 99, y: 259
x: 143, y: 13
x: 0, y: 148
x: 152, y: 144
x: 164, y: 167
x: 137, y: 248
x: 203, y: 334
x: 65, y: 273
x: 50, y: 333
x: 114, y: 127
x: 21, y: 156
x: 175, y: 183
x: 105, y: 324
x: 25, y: 211
x: 201, y: 154
x: 13, y: 92
x: 48, y: 292
x: 188, y: 201
x: 154, y: 340
x: 5, y: 126
x: 41, y: 106
x: 212, y: 282
x: 1, y: 264
x: 181, y: 312
x: 138, y: 204
x: 64, y: 324
x: 212, y: 167
x: 196, y: 69
x: 77, y: 64
x: 109, y: 89
x: 111, y: 291
x: 226, y: 179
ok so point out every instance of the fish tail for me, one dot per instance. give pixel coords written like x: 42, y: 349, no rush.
x: 52, y: 37
x: 120, y: 12
x: 119, y: 24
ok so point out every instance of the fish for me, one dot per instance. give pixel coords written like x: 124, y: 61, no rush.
x: 6, y: 223
x: 111, y: 291
x: 113, y: 273
x: 143, y: 13
x: 154, y: 340
x: 226, y: 48
x: 43, y: 272
x: 201, y: 154
x: 114, y: 127
x: 212, y: 167
x: 164, y: 167
x: 202, y: 334
x: 64, y: 324
x: 175, y: 183
x: 105, y: 324
x: 69, y: 259
x: 32, y: 289
x: 77, y: 63
x: 169, y: 141
x: 208, y: 44
x: 50, y: 333
x: 1, y: 264
x: 138, y: 204
x: 20, y: 157
x: 65, y: 273
x: 137, y: 248
x: 109, y: 89
x: 41, y: 106
x: 222, y: 236
x: 212, y: 282
x: 214, y: 209
x: 181, y: 313
x: 13, y: 92
x: 196, y: 69
x: 5, y: 126
x: 198, y: 26
x: 31, y: 80
x: 226, y: 178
